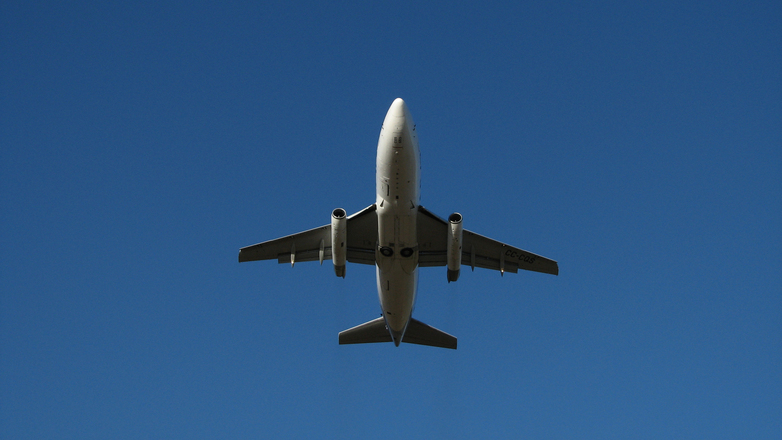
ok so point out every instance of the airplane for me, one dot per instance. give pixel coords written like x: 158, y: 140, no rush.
x: 397, y: 235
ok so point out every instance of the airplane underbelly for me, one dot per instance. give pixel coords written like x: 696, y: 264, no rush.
x: 396, y: 289
x: 397, y: 261
x: 396, y: 256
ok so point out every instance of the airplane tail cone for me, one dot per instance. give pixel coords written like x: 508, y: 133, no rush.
x: 396, y: 337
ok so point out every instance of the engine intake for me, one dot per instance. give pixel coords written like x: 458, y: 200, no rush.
x: 339, y: 247
x: 454, y: 252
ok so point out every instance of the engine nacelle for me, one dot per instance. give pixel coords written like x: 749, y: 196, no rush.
x: 454, y: 253
x: 339, y: 245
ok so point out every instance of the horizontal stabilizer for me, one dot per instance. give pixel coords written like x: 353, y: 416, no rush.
x: 419, y: 333
x: 372, y: 331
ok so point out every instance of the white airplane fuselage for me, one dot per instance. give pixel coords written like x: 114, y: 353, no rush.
x: 398, y: 236
x: 398, y: 196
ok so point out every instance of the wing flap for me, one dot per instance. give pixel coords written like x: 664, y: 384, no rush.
x: 361, y: 256
x: 432, y: 258
x: 310, y: 255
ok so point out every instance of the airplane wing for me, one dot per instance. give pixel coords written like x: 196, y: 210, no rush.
x: 362, y: 236
x: 315, y: 244
x: 477, y: 250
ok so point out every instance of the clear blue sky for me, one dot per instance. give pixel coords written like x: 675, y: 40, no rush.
x: 143, y: 143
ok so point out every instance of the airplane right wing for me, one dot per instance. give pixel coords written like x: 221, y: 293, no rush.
x: 480, y: 251
x: 477, y: 250
x: 315, y: 244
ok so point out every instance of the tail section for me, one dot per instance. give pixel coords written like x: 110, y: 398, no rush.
x: 416, y: 333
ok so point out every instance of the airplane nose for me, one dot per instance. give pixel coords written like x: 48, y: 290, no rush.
x: 397, y: 109
x: 396, y: 118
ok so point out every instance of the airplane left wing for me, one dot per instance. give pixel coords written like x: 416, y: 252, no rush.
x: 315, y: 244
x: 477, y: 250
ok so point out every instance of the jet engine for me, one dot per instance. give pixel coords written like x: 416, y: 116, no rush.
x: 454, y: 253
x: 339, y: 247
